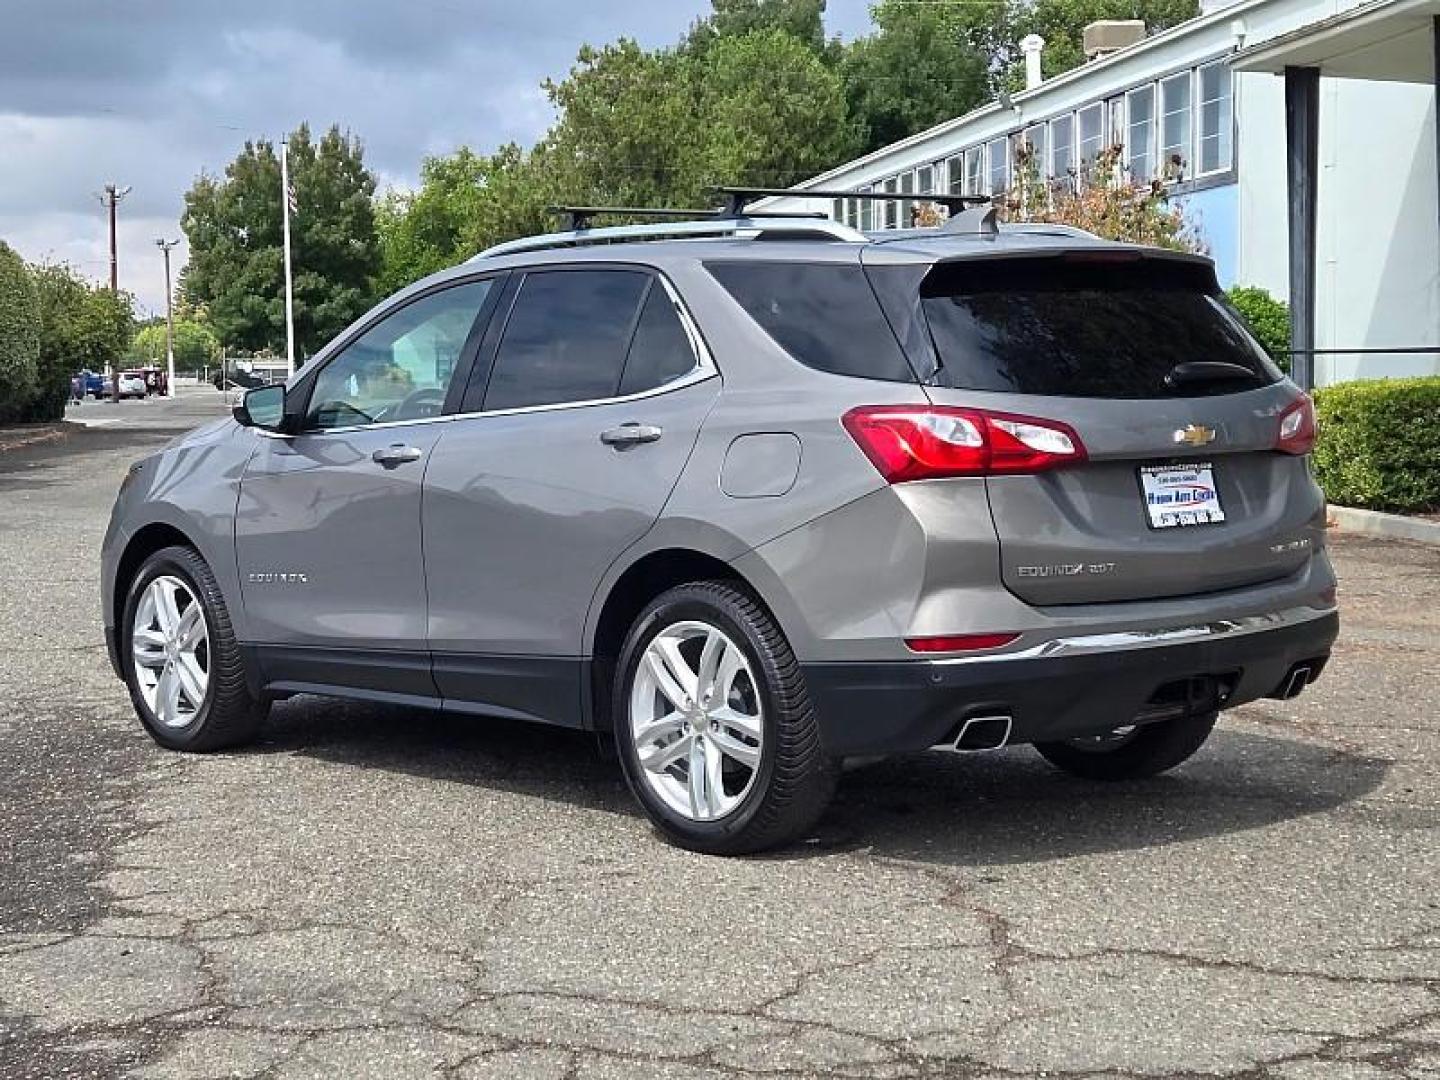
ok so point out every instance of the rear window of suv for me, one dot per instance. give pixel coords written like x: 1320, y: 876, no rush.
x: 1079, y: 327
x: 825, y: 315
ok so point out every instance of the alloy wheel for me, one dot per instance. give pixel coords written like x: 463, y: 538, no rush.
x: 696, y: 720
x: 170, y: 646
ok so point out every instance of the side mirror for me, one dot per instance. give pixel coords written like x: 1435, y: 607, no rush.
x: 262, y: 407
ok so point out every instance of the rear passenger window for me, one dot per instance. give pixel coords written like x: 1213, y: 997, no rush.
x: 566, y: 338
x: 824, y: 315
x: 661, y: 350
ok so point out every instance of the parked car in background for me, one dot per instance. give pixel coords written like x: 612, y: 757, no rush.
x: 132, y: 384
x: 753, y: 503
x: 93, y: 384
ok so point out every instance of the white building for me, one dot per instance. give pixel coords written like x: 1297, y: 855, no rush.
x: 1346, y: 174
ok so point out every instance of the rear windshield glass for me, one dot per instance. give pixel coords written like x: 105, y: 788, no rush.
x: 824, y: 315
x: 1088, y: 329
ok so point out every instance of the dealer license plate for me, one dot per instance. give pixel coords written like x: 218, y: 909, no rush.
x: 1177, y: 495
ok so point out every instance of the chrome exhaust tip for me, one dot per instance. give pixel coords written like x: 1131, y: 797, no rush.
x: 1296, y: 681
x: 981, y: 734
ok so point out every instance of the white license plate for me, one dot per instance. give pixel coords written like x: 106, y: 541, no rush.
x: 1181, y: 495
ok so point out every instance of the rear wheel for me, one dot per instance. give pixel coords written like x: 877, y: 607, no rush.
x: 1133, y: 752
x: 713, y: 724
x: 182, y: 664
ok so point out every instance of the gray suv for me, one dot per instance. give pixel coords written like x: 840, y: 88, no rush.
x: 755, y: 496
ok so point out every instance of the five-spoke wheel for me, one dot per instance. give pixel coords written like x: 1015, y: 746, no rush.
x: 713, y: 724
x: 170, y: 648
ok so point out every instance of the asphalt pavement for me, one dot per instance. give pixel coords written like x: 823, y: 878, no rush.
x: 382, y: 892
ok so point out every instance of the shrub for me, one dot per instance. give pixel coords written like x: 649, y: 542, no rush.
x: 19, y: 335
x: 1379, y: 443
x: 1269, y: 319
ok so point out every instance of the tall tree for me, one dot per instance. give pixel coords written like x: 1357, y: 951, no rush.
x: 19, y: 334
x: 236, y: 263
x: 803, y: 20
x: 925, y: 63
x: 195, y: 345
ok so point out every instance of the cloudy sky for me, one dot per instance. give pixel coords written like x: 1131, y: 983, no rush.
x: 150, y: 92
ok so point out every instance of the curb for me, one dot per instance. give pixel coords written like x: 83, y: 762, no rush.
x: 1392, y: 526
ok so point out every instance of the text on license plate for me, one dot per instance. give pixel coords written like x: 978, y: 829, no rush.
x: 1180, y: 495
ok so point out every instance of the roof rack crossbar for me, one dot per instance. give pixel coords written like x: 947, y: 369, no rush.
x: 737, y: 199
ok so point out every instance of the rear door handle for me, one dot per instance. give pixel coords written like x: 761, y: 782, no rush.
x: 630, y: 435
x: 395, y: 454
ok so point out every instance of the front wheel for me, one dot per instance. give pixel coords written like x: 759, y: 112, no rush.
x: 183, y: 666
x: 1131, y: 753
x: 713, y: 724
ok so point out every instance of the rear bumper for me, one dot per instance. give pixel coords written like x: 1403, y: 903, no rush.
x: 1068, y: 687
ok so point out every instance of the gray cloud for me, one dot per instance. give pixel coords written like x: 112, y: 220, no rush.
x: 149, y: 93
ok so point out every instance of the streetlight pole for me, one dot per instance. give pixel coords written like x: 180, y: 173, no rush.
x: 165, y: 246
x: 110, y: 197
x: 285, y: 196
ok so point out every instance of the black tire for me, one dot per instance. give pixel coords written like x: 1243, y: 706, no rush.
x: 1149, y: 750
x: 230, y: 715
x: 794, y: 779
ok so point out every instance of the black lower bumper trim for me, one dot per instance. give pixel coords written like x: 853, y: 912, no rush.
x: 897, y: 707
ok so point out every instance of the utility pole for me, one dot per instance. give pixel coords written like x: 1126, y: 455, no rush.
x: 110, y: 197
x: 285, y: 196
x: 165, y: 246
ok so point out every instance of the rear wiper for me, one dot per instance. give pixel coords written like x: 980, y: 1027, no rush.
x: 1200, y: 371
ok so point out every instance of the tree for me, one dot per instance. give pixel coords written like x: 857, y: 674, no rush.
x: 195, y: 345
x: 236, y: 263
x: 466, y: 202
x: 19, y: 335
x: 926, y: 63
x: 804, y: 20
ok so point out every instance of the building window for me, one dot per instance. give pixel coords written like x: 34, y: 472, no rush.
x: 955, y: 175
x: 1140, y: 132
x: 975, y: 171
x: 1215, y: 119
x: 1115, y: 133
x: 1034, y: 140
x: 998, y: 152
x: 1091, y: 122
x: 890, y: 208
x: 925, y: 180
x: 837, y: 210
x: 867, y: 212
x: 1175, y: 149
x: 1062, y: 147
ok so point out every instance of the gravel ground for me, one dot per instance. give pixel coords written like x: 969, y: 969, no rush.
x: 379, y: 892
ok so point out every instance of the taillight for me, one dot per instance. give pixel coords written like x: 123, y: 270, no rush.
x: 1297, y: 427
x: 925, y: 442
x: 958, y: 642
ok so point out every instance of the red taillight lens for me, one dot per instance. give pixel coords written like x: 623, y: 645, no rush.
x: 1297, y: 427
x: 919, y: 442
x: 958, y: 642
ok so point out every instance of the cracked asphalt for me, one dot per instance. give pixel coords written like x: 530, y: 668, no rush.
x: 379, y: 892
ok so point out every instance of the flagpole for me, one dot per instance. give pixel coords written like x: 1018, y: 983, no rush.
x: 289, y: 292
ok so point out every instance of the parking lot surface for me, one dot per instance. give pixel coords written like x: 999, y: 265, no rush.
x: 380, y: 892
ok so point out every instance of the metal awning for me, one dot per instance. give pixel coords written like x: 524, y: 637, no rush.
x: 1384, y: 41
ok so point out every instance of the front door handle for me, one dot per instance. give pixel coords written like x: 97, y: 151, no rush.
x: 395, y: 454
x: 630, y: 435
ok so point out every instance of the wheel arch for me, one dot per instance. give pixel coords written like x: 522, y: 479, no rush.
x: 643, y: 579
x: 146, y: 540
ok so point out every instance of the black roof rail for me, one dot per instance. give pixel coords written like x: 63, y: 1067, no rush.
x: 738, y: 198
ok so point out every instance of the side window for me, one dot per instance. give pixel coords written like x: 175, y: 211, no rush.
x: 661, y: 350
x: 566, y: 338
x: 399, y: 369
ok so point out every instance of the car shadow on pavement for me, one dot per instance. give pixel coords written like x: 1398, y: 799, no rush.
x: 1008, y: 807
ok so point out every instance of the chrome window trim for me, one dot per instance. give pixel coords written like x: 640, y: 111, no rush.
x: 703, y: 369
x: 1137, y: 640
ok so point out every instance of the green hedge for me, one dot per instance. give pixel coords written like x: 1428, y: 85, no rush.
x: 1269, y: 319
x: 19, y: 335
x: 1379, y: 444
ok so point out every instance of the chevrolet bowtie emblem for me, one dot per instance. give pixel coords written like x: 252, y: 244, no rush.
x: 1195, y: 435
